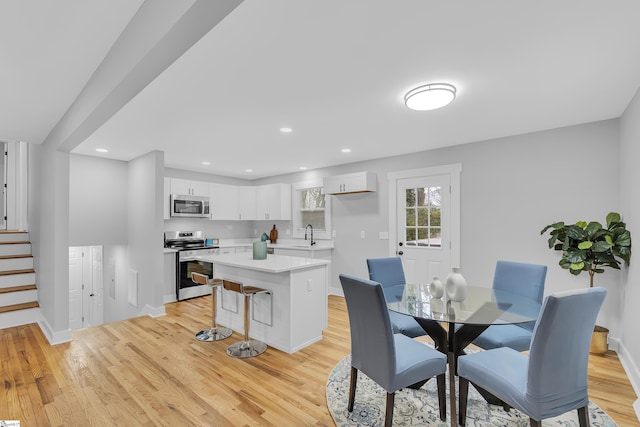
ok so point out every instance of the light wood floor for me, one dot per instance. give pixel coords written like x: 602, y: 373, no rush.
x: 152, y: 372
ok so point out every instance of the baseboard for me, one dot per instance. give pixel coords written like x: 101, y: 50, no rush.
x: 169, y: 298
x: 54, y: 337
x: 630, y: 368
x: 336, y: 291
x: 153, y: 311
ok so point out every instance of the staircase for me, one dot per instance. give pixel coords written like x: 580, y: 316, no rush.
x: 18, y: 291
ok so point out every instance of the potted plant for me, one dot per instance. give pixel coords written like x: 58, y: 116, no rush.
x: 590, y: 247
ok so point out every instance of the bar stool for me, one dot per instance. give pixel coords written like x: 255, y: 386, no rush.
x: 247, y: 347
x: 215, y: 333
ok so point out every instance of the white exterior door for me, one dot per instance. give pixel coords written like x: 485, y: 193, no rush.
x: 425, y: 217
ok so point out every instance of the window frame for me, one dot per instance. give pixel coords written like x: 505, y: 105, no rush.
x: 298, y: 229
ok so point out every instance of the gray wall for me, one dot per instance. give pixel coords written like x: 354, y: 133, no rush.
x: 630, y: 286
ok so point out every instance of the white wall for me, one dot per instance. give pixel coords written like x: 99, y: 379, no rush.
x: 97, y: 201
x: 630, y: 284
x: 98, y: 195
x: 511, y: 188
x: 145, y: 230
x: 49, y: 234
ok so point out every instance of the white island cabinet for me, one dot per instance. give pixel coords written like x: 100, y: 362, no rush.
x: 295, y: 314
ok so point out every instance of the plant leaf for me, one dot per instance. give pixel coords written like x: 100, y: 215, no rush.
x: 592, y: 228
x: 601, y: 246
x: 577, y: 266
x: 585, y: 245
x: 612, y: 217
x: 577, y: 233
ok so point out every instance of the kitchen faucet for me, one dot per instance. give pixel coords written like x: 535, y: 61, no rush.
x: 305, y: 233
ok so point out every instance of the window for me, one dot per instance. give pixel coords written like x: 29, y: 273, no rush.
x: 311, y: 206
x: 423, y: 211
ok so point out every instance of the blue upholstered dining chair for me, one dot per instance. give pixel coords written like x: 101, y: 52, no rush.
x: 394, y: 361
x: 522, y: 279
x: 389, y: 273
x: 552, y: 379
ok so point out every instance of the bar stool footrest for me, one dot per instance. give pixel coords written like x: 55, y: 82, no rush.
x: 214, y: 334
x: 244, y: 349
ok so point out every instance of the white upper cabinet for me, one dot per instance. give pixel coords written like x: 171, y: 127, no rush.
x: 273, y: 202
x: 223, y: 202
x: 189, y: 188
x: 247, y: 203
x: 233, y: 202
x: 358, y: 182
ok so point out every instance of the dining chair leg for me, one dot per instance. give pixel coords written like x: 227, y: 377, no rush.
x: 352, y: 388
x: 418, y: 385
x: 388, y: 414
x: 583, y: 416
x: 463, y: 386
x: 442, y: 396
x: 535, y: 423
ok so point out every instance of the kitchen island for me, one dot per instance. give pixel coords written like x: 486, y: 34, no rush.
x: 294, y: 315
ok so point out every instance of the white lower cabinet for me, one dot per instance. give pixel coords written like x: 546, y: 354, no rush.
x: 169, y: 283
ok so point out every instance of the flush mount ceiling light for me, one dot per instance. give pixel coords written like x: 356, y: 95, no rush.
x: 429, y: 97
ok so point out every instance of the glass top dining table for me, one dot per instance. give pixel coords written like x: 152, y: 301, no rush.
x: 482, y: 306
x: 453, y: 325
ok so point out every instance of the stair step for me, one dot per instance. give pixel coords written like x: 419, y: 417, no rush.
x: 23, y: 271
x: 13, y: 235
x: 16, y: 262
x: 16, y: 307
x: 18, y: 296
x: 22, y: 277
x: 15, y: 248
x: 18, y: 288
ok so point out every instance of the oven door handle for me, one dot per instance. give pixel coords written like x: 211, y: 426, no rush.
x: 195, y: 258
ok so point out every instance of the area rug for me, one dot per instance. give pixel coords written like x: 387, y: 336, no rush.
x: 420, y: 407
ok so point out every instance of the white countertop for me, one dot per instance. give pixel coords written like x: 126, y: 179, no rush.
x: 273, y: 263
x: 297, y: 244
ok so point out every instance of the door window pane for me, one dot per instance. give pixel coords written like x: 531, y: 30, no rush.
x: 423, y: 216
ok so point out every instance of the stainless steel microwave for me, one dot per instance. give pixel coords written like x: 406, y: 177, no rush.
x: 189, y: 206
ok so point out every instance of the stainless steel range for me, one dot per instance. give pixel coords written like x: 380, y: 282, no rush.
x: 192, y: 247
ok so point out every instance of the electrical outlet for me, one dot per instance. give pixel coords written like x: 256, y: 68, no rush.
x: 362, y: 235
x: 333, y: 233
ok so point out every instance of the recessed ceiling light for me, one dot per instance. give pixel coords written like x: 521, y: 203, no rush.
x: 286, y: 130
x: 346, y: 150
x: 206, y: 163
x: 102, y: 150
x: 430, y: 96
x: 303, y: 168
x: 248, y: 170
